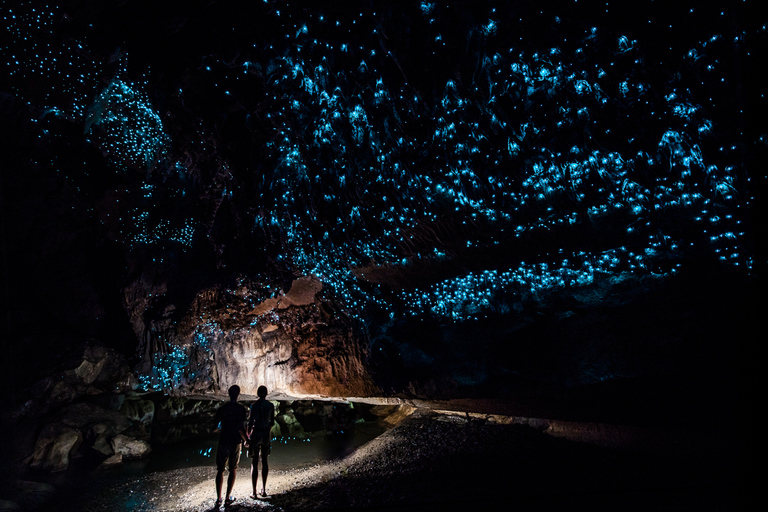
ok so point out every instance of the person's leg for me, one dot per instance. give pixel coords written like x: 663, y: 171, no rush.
x: 219, y: 481
x: 220, y: 463
x: 264, y: 469
x: 231, y: 481
x: 255, y: 469
x: 234, y: 459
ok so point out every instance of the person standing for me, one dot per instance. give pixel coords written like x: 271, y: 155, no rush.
x: 262, y: 418
x: 230, y: 419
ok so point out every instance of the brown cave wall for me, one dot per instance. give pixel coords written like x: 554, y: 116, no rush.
x: 296, y: 343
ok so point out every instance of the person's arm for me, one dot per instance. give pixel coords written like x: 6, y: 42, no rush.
x: 245, y: 435
x: 249, y: 423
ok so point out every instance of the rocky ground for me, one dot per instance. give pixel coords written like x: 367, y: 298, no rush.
x: 433, y: 461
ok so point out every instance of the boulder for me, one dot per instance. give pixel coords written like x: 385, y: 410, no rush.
x: 113, y: 461
x: 129, y: 447
x: 103, y: 445
x: 55, y: 445
x: 89, y: 371
x: 102, y: 366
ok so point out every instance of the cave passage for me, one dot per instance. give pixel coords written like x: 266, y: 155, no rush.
x: 530, y: 212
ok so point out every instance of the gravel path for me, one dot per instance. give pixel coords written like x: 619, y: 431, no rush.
x: 444, y: 463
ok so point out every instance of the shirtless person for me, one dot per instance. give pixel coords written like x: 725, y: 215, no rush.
x: 260, y: 435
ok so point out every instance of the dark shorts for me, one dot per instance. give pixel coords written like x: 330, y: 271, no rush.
x: 260, y: 438
x: 227, y: 456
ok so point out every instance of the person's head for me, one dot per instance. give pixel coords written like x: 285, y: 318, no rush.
x: 262, y: 391
x: 234, y: 392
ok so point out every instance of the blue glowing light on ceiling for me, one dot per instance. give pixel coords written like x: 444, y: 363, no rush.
x: 623, y: 164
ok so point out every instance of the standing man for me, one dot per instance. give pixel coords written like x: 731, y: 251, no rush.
x: 230, y: 419
x: 260, y: 435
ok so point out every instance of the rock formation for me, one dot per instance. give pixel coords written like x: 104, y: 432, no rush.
x: 295, y: 343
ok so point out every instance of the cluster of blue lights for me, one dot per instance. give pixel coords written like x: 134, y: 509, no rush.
x: 168, y: 370
x: 364, y: 166
x: 526, y: 187
x: 126, y: 127
x: 55, y: 73
x: 141, y: 231
x: 477, y: 295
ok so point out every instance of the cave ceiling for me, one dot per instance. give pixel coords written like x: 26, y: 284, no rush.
x: 443, y: 161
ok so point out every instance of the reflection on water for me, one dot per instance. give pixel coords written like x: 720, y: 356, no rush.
x: 287, y: 451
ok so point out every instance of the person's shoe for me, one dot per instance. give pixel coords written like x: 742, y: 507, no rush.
x: 230, y: 500
x: 217, y: 504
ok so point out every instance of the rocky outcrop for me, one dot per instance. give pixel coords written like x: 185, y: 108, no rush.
x: 130, y: 448
x: 295, y: 342
x: 287, y: 422
x: 55, y: 445
x: 178, y: 418
x: 90, y: 411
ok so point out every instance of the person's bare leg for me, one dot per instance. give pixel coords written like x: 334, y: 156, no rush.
x: 231, y: 481
x: 219, y: 481
x: 255, y: 471
x: 264, y: 471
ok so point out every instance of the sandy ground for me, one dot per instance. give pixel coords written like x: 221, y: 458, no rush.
x: 434, y: 461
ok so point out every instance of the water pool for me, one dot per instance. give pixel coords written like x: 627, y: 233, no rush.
x: 287, y: 451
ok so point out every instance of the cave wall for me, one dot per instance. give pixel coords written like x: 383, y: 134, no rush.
x: 428, y: 175
x: 294, y: 343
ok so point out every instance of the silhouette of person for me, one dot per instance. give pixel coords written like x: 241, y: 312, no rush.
x: 260, y: 424
x: 230, y: 419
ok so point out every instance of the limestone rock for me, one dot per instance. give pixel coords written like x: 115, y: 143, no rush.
x: 83, y: 414
x: 113, y: 461
x: 302, y: 292
x: 289, y: 425
x: 103, y: 365
x: 130, y: 448
x: 139, y: 410
x: 392, y: 415
x: 265, y: 306
x: 174, y: 408
x: 293, y: 343
x: 55, y: 445
x: 103, y: 445
x: 89, y: 371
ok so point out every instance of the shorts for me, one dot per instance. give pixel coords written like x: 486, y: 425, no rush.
x: 260, y: 438
x: 228, y: 455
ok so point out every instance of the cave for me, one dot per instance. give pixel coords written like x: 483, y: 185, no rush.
x: 481, y: 253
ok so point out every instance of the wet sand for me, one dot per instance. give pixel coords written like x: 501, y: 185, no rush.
x: 444, y: 462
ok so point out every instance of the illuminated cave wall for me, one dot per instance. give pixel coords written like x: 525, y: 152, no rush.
x: 447, y: 162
